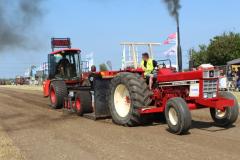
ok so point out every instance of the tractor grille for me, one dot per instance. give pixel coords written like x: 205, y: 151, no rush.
x: 210, y: 85
x: 210, y: 88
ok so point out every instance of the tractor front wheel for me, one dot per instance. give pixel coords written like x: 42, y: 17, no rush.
x: 178, y: 116
x: 227, y: 116
x: 58, y: 91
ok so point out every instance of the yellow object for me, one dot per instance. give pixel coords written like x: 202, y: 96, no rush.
x: 149, y: 68
x: 235, y: 67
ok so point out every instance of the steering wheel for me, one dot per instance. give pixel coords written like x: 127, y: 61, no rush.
x: 162, y: 63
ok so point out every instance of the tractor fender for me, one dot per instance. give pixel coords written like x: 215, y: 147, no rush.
x: 46, y: 86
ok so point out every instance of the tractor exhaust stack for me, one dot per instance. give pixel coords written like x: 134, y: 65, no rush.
x: 179, y: 49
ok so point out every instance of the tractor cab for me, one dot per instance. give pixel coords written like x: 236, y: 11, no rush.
x: 64, y: 64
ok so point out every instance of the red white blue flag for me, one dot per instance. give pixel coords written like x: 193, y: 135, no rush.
x: 172, y: 38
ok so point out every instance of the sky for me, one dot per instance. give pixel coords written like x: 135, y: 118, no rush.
x: 99, y: 26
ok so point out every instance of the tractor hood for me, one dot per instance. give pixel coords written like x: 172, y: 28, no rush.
x: 167, y: 75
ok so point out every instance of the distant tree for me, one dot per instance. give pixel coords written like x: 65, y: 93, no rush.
x: 103, y: 67
x: 199, y: 57
x: 221, y: 49
x: 224, y: 48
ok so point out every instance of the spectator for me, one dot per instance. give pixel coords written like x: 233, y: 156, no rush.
x: 238, y: 78
x: 229, y: 73
x: 233, y: 73
x: 238, y: 72
x: 222, y: 81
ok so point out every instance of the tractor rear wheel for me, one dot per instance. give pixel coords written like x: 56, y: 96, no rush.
x: 229, y: 115
x: 58, y: 91
x: 83, y: 103
x: 178, y: 116
x: 128, y: 94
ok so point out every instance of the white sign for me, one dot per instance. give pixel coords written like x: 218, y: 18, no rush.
x: 223, y: 82
x: 194, y: 90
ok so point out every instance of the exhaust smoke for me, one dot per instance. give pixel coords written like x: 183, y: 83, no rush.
x: 17, y: 19
x: 173, y: 8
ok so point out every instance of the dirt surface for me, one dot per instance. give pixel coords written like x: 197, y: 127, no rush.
x: 40, y: 133
x: 24, y: 87
x: 8, y: 150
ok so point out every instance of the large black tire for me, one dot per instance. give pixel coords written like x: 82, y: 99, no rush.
x: 58, y: 91
x: 83, y: 103
x: 229, y: 116
x: 138, y: 96
x: 178, y: 116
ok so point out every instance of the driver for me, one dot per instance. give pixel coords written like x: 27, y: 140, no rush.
x: 147, y: 65
x: 61, y: 67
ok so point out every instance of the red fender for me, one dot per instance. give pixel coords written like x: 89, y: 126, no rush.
x: 46, y: 88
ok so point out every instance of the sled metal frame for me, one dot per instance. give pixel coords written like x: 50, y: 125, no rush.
x: 133, y: 53
x: 100, y: 102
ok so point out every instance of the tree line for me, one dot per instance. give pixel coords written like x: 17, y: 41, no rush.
x: 219, y: 51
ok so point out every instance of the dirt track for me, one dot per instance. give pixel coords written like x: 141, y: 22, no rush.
x: 42, y: 133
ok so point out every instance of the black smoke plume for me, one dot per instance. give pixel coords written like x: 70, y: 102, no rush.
x: 18, y: 18
x: 173, y: 8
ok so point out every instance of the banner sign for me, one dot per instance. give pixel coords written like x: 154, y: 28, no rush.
x: 61, y: 43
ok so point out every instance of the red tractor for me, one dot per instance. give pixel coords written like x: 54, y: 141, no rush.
x: 125, y: 96
x: 64, y: 71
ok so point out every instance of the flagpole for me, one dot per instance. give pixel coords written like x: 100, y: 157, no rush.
x: 123, y: 57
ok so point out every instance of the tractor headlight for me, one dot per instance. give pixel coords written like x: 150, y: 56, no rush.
x: 211, y: 74
x: 205, y: 95
x: 214, y: 95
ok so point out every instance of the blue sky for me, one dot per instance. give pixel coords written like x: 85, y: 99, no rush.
x: 99, y: 26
